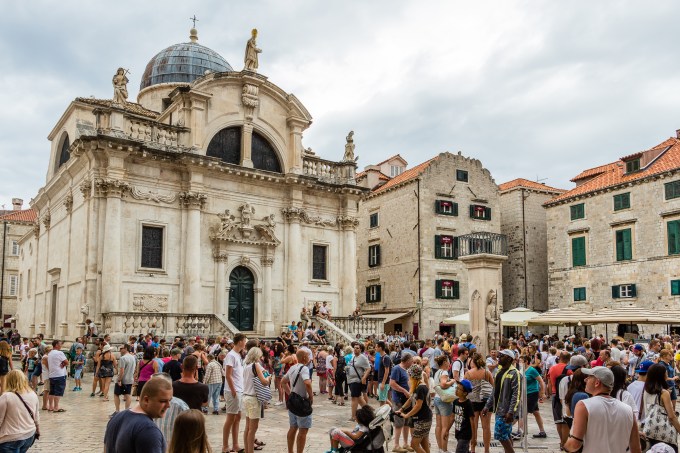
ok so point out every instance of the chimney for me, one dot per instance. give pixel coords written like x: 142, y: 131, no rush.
x: 17, y: 203
x: 677, y: 133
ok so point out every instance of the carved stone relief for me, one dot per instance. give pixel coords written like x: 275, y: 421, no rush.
x: 68, y: 202
x: 244, y: 231
x: 111, y: 187
x: 301, y: 215
x: 192, y: 199
x: 249, y: 98
x: 152, y: 195
x: 47, y: 219
x: 153, y: 303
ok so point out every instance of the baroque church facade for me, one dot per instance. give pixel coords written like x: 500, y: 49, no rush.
x: 195, y: 209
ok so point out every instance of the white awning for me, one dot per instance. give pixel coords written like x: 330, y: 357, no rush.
x: 516, y: 317
x: 388, y: 317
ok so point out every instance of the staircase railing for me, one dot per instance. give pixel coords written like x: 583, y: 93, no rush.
x: 167, y: 324
x: 334, y: 334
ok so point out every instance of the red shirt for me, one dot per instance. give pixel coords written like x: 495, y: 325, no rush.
x: 553, y: 372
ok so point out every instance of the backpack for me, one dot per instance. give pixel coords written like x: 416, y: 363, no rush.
x: 558, y: 379
x: 340, y: 370
x: 4, y: 366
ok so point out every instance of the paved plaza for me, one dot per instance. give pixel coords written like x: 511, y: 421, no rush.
x: 81, y: 428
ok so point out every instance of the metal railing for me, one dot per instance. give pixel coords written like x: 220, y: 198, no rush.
x: 482, y: 243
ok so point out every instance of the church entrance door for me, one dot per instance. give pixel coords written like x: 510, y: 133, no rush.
x: 241, y: 298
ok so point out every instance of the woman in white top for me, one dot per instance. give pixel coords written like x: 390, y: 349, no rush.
x: 17, y: 421
x: 252, y: 407
x: 656, y: 390
x: 619, y: 390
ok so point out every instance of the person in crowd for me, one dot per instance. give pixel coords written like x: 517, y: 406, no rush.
x: 399, y: 383
x: 620, y: 392
x: 6, y: 364
x: 166, y: 423
x: 463, y: 415
x: 357, y: 371
x: 126, y: 377
x: 324, y: 311
x: 252, y: 369
x: 189, y: 435
x: 146, y: 367
x: 105, y: 370
x: 383, y: 367
x: 233, y: 392
x: 19, y: 414
x: 346, y: 437
x: 602, y: 423
x: 213, y: 379
x: 504, y: 399
x: 556, y: 403
x: 188, y: 388
x: 78, y: 362
x: 202, y: 360
x: 339, y: 367
x: 321, y: 370
x: 298, y: 380
x: 134, y: 430
x: 173, y: 366
x: 330, y: 373
x: 458, y: 369
x: 57, y: 369
x: 666, y: 359
x: 636, y: 388
x: 535, y: 393
x: 482, y: 384
x: 278, y: 367
x: 443, y: 410
x: 576, y: 392
x: 420, y: 411
x: 32, y: 362
x: 656, y: 392
x: 653, y: 349
x: 635, y: 359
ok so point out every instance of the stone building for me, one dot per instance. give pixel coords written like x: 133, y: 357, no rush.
x: 14, y: 225
x: 523, y: 222
x: 409, y: 238
x: 196, y: 209
x: 614, y: 239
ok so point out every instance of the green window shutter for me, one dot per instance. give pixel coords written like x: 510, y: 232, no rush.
x: 578, y: 251
x: 488, y: 214
x: 369, y: 257
x: 633, y: 290
x: 377, y: 255
x: 456, y: 290
x: 456, y: 248
x: 378, y: 293
x: 675, y: 287
x: 616, y: 292
x: 438, y: 289
x: 437, y: 247
x: 674, y: 237
x: 437, y: 207
x: 624, y: 245
x: 472, y: 210
x: 455, y: 209
x: 576, y: 294
x: 368, y: 294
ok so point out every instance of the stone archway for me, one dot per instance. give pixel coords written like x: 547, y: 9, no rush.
x: 241, y: 308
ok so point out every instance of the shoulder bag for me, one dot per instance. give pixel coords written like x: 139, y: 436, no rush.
x: 298, y: 404
x: 447, y: 395
x: 262, y: 392
x: 37, y: 426
x: 657, y: 425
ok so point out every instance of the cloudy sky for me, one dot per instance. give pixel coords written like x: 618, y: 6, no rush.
x: 534, y: 89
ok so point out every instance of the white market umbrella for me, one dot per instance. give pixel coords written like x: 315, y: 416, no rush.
x: 514, y: 318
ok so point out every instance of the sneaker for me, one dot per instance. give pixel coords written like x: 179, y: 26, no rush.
x: 278, y: 403
x: 517, y: 435
x: 541, y: 435
x: 92, y: 395
x: 75, y: 389
x: 216, y: 412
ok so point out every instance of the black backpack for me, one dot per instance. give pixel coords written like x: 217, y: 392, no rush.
x: 341, y: 365
x: 558, y: 379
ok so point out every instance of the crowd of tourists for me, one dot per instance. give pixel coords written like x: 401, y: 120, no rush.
x: 614, y: 396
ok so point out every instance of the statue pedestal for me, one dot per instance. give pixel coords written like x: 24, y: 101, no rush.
x: 485, y: 295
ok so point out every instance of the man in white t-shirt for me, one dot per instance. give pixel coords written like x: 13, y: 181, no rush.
x: 57, y: 364
x: 310, y: 357
x: 324, y: 312
x: 615, y: 351
x: 233, y: 392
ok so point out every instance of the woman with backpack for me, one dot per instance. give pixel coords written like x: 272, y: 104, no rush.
x: 656, y: 394
x: 482, y: 385
x: 145, y: 368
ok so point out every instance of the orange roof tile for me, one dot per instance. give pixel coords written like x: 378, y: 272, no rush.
x: 589, y: 172
x: 407, y: 175
x: 614, y: 173
x: 25, y: 215
x: 132, y: 107
x: 382, y: 176
x: 521, y: 182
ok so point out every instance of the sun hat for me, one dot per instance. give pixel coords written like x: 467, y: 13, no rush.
x: 602, y: 374
x: 510, y: 353
x: 463, y: 337
x: 107, y: 348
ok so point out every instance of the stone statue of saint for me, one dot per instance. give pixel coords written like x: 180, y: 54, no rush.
x: 492, y: 321
x: 251, y: 59
x: 226, y: 223
x: 247, y: 212
x: 349, y: 148
x: 267, y: 230
x: 120, y: 92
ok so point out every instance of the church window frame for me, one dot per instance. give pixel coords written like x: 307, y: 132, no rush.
x: 62, y: 155
x: 163, y: 247
x: 317, y: 265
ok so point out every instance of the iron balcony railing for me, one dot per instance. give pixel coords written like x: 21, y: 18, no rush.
x: 479, y: 243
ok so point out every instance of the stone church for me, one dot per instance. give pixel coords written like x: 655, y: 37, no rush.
x: 194, y: 210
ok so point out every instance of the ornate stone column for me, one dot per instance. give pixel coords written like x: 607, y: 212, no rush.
x: 266, y: 324
x: 193, y: 202
x: 220, y: 286
x: 113, y: 190
x: 247, y: 145
x: 348, y: 276
x: 294, y: 274
x: 295, y: 128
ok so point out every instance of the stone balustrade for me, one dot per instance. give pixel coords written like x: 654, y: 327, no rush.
x: 360, y: 326
x: 329, y: 171
x: 152, y: 132
x: 164, y: 324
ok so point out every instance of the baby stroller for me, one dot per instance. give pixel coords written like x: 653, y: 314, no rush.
x: 379, y: 434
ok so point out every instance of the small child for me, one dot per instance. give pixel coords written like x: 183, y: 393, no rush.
x: 31, y: 361
x: 462, y: 416
x: 78, y: 362
x: 346, y: 437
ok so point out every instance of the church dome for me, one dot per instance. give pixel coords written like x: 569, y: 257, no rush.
x: 183, y: 63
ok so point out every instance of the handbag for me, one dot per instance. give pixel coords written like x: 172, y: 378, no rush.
x: 262, y: 392
x: 657, y: 425
x: 447, y: 395
x: 298, y: 404
x: 37, y: 426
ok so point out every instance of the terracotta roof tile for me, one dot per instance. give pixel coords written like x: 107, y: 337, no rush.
x: 382, y: 176
x: 521, y: 182
x: 614, y: 173
x: 131, y: 107
x: 25, y: 215
x: 407, y: 175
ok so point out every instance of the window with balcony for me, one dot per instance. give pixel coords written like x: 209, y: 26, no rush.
x: 445, y: 247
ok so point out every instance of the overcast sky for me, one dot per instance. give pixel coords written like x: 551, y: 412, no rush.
x: 534, y: 89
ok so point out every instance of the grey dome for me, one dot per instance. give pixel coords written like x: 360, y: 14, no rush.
x: 182, y: 63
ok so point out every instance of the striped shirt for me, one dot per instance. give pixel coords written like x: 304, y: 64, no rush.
x: 166, y: 424
x: 213, y: 373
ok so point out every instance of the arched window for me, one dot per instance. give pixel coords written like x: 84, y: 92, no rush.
x: 226, y: 145
x: 263, y: 155
x: 64, y: 155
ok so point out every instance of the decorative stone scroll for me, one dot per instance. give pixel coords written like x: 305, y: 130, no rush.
x: 153, y: 303
x: 301, y: 215
x: 192, y: 199
x: 244, y: 231
x: 152, y: 196
x: 250, y: 100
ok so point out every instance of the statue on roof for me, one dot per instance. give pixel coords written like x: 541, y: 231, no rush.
x: 120, y: 82
x: 349, y: 148
x: 251, y: 59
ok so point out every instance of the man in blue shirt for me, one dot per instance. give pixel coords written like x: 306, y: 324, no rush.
x: 400, y: 393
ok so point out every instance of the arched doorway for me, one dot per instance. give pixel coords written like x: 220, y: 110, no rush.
x: 241, y: 298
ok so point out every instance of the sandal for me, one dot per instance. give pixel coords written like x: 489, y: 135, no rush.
x: 258, y: 447
x: 259, y: 443
x: 59, y: 410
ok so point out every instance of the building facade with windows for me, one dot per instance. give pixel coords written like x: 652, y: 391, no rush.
x: 523, y: 221
x: 614, y: 239
x: 408, y: 239
x: 14, y: 225
x: 194, y: 210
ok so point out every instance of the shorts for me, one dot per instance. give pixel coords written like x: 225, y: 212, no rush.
x: 421, y: 428
x: 122, y: 389
x: 299, y: 422
x: 557, y: 410
x: 383, y: 392
x: 532, y: 402
x: 674, y: 393
x: 233, y: 404
x: 341, y: 437
x: 479, y: 407
x: 442, y: 408
x: 57, y: 386
x: 355, y: 389
x: 252, y: 407
x: 79, y: 374
x: 502, y: 431
x: 399, y: 422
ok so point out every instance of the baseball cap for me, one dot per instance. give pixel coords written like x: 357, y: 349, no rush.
x: 508, y: 352
x: 577, y: 361
x: 602, y: 374
x: 467, y: 385
x: 644, y: 367
x: 175, y: 351
x: 639, y: 347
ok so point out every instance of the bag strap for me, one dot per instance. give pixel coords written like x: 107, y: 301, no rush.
x: 296, y: 377
x: 29, y: 410
x: 355, y: 368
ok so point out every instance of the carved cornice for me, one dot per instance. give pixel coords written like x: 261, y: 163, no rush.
x: 294, y: 214
x: 110, y: 187
x: 347, y: 222
x: 152, y: 195
x: 220, y: 256
x: 36, y: 230
x: 192, y: 199
x: 267, y: 261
